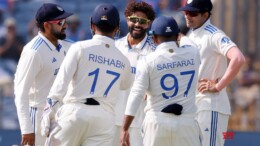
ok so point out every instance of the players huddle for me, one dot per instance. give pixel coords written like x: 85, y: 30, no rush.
x: 153, y: 87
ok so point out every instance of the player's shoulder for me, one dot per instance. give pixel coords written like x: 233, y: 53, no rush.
x: 66, y: 43
x: 85, y: 44
x: 189, y: 48
x: 37, y: 44
x: 120, y: 43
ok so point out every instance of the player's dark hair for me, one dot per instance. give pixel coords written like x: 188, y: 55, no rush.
x: 40, y: 26
x: 202, y: 12
x: 140, y: 6
x: 169, y: 38
x: 105, y: 27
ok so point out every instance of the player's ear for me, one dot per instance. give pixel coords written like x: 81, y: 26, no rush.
x: 117, y: 32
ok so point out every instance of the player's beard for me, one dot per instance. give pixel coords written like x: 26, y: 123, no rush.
x: 139, y: 35
x: 61, y: 35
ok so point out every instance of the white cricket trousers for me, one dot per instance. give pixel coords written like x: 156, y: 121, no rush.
x: 80, y: 124
x: 212, y: 125
x: 36, y: 115
x: 162, y: 129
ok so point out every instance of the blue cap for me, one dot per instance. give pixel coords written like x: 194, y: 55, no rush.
x: 50, y: 11
x: 197, y: 5
x: 165, y: 26
x: 105, y: 13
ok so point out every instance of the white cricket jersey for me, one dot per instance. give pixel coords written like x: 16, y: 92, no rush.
x: 96, y: 69
x: 213, y: 45
x: 37, y: 68
x: 169, y: 75
x: 145, y: 47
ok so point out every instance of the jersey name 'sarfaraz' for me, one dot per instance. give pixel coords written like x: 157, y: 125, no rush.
x: 175, y: 64
x: 106, y: 61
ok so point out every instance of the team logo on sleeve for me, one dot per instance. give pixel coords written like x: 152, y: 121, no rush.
x: 54, y: 59
x: 225, y: 40
x: 168, y: 29
x: 189, y: 1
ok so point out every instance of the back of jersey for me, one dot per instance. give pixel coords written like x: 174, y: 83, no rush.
x: 102, y: 71
x: 173, y: 78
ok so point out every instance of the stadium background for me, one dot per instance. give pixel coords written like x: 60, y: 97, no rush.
x: 239, y: 19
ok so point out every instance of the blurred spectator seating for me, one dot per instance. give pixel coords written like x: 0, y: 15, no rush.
x: 247, y: 97
x: 11, y: 46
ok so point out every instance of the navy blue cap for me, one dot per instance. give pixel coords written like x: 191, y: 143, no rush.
x: 165, y: 26
x: 197, y: 5
x: 50, y: 11
x: 105, y: 13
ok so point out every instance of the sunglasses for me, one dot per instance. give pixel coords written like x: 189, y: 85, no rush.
x: 191, y: 13
x: 59, y: 22
x: 140, y: 20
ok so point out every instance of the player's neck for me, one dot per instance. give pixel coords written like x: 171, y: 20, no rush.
x: 133, y: 41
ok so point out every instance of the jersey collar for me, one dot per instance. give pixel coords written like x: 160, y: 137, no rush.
x: 49, y: 44
x: 166, y: 46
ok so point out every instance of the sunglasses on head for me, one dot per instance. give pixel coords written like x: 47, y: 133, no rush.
x: 191, y: 13
x: 59, y: 22
x: 140, y: 20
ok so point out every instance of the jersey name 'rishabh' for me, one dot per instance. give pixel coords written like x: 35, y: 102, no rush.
x: 106, y: 61
x: 175, y: 64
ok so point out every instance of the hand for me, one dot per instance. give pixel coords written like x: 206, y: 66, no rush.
x: 124, y: 138
x: 48, y: 117
x: 206, y: 85
x: 28, y: 139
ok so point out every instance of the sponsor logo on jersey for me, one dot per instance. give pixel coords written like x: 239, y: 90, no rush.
x: 175, y: 64
x: 225, y: 40
x: 56, y: 71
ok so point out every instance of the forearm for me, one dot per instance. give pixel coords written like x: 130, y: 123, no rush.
x: 236, y: 62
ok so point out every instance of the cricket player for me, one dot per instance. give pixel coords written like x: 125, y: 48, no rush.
x: 134, y: 46
x: 169, y: 76
x: 37, y: 68
x: 97, y: 71
x: 216, y: 49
